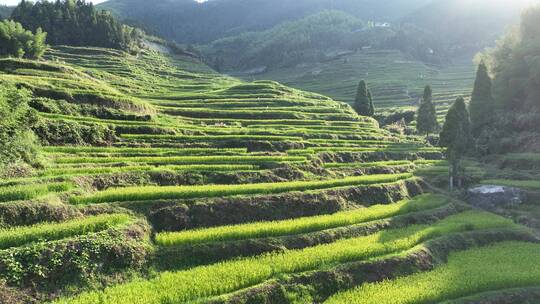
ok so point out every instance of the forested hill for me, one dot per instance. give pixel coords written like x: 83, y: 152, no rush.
x: 5, y: 11
x: 468, y: 25
x: 187, y: 21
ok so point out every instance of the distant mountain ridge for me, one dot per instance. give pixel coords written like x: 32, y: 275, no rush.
x: 187, y: 21
x: 468, y: 24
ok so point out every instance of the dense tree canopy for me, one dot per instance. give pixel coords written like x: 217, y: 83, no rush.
x: 187, y: 21
x: 76, y: 23
x: 515, y: 64
x: 287, y: 44
x: 17, y: 42
x: 16, y: 138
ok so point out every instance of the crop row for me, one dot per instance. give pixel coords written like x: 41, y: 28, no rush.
x: 189, y: 192
x: 367, y: 165
x: 179, y: 160
x: 17, y: 236
x: 104, y: 170
x: 135, y: 137
x: 300, y: 225
x: 500, y: 266
x: 153, y: 151
x: 26, y: 192
x: 225, y: 277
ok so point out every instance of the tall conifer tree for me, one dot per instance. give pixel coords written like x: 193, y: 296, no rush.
x: 482, y: 102
x: 426, y: 117
x: 456, y: 138
x: 363, y: 104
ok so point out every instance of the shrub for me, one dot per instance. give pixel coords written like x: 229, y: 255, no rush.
x: 16, y: 139
x: 58, y: 132
x: 53, y: 265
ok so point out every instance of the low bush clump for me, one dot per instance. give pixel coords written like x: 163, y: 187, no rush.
x: 58, y: 132
x: 51, y: 266
x: 17, y: 142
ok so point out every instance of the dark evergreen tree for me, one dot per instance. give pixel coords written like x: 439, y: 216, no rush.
x: 426, y: 117
x: 482, y: 105
x: 76, y: 23
x: 456, y: 138
x: 363, y: 104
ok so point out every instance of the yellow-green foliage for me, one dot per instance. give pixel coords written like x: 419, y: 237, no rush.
x: 18, y: 236
x: 26, y: 192
x: 179, y: 160
x: 105, y: 170
x: 367, y: 165
x: 225, y: 277
x: 301, y: 225
x: 500, y: 266
x: 187, y: 192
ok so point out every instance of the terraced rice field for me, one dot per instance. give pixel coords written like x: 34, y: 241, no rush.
x: 213, y: 190
x: 397, y: 82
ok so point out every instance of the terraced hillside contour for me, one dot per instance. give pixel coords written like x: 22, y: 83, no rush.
x: 164, y: 182
x: 396, y: 81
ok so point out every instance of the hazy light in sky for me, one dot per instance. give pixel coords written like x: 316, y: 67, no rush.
x: 15, y: 2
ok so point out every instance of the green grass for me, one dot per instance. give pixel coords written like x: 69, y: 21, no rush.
x: 26, y: 192
x: 19, y: 236
x: 66, y: 172
x: 181, y: 160
x: 153, y: 151
x: 226, y: 277
x: 211, y: 137
x: 500, y: 266
x: 367, y: 165
x: 300, y: 225
x: 395, y: 80
x: 527, y: 184
x: 189, y: 192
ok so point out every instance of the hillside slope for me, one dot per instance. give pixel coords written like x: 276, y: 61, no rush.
x: 469, y: 25
x: 201, y: 187
x: 187, y: 21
